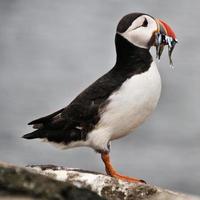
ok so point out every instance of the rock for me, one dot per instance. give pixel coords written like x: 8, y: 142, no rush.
x: 59, y: 183
x: 20, y: 183
x: 108, y: 187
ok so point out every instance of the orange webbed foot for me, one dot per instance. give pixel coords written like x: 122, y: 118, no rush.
x: 112, y: 172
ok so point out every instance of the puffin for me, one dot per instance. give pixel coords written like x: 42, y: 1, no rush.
x: 120, y: 100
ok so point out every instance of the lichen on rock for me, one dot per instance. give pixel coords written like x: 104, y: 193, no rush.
x: 20, y: 183
x: 59, y: 183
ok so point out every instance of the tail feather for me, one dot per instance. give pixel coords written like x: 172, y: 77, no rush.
x: 50, y: 135
x: 58, y: 136
x: 40, y: 133
x: 46, y: 118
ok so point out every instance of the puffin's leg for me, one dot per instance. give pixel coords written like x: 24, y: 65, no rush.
x: 112, y: 172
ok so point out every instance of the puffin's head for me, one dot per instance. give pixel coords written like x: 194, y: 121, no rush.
x: 145, y: 31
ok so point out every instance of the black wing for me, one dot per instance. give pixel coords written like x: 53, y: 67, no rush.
x: 81, y: 115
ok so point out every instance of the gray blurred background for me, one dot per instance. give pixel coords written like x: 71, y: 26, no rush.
x: 51, y: 50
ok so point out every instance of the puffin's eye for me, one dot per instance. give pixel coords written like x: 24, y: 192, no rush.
x: 145, y: 23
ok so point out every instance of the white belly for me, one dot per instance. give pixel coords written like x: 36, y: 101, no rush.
x: 128, y: 107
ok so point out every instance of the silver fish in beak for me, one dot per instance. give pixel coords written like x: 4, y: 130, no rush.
x: 164, y: 36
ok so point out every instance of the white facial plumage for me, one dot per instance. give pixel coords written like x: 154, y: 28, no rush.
x: 141, y: 31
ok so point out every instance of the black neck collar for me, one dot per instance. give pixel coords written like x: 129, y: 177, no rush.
x: 131, y: 57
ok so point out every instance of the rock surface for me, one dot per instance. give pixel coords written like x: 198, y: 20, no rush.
x: 22, y: 184
x: 108, y: 187
x: 52, y: 182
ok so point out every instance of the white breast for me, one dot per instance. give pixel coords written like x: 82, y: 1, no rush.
x: 128, y: 107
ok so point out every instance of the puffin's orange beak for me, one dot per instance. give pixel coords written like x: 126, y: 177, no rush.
x: 164, y: 36
x: 165, y: 29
